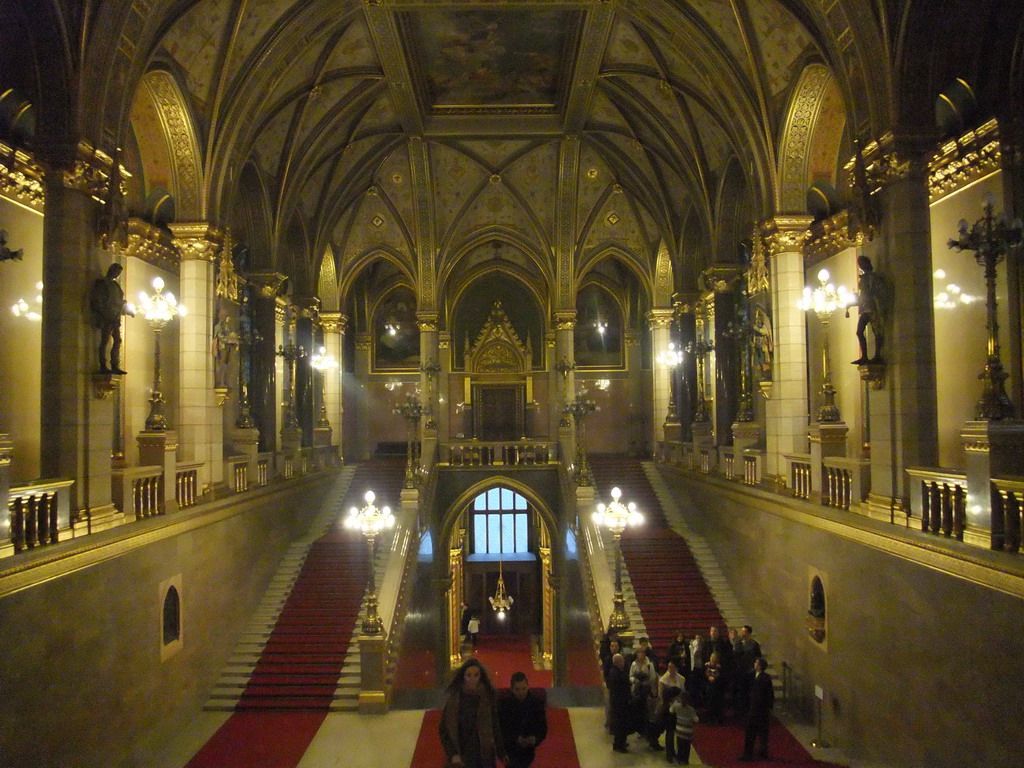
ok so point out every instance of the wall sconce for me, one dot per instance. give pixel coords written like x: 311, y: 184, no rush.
x: 33, y: 312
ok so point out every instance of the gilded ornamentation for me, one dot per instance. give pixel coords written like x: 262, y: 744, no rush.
x: 965, y: 160
x: 363, y: 342
x: 719, y: 279
x: 660, y: 318
x: 152, y: 245
x: 182, y: 139
x: 333, y: 322
x: 663, y: 275
x: 757, y: 274
x: 196, y: 241
x: 498, y: 348
x: 786, y: 234
x: 268, y: 284
x: 565, y: 320
x: 227, y: 280
x: 833, y: 235
x: 280, y: 310
x: 797, y: 138
x: 427, y: 321
x: 568, y: 172
x: 21, y: 179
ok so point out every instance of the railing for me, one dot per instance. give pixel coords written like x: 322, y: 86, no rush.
x: 940, y: 498
x: 798, y: 470
x: 186, y: 484
x: 705, y: 460
x: 263, y: 462
x: 39, y: 512
x: 1007, y: 495
x: 751, y: 466
x: 728, y: 459
x: 237, y: 472
x: 138, y: 491
x: 844, y: 481
x: 287, y: 465
x: 518, y: 453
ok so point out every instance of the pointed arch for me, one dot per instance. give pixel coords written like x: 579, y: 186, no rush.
x: 327, y: 285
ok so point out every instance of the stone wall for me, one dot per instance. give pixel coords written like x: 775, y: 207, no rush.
x: 918, y: 667
x: 80, y: 656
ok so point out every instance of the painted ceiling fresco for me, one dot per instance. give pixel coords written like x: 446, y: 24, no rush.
x: 472, y: 59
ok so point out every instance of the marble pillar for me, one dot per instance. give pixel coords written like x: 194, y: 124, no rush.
x: 659, y: 322
x: 334, y: 325
x: 565, y: 353
x: 430, y: 372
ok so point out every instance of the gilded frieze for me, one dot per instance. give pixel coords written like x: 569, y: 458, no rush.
x: 152, y: 245
x: 786, y: 234
x: 21, y: 179
x: 964, y: 160
x: 197, y: 241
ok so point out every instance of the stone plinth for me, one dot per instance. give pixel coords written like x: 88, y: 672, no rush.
x: 321, y: 436
x: 160, y: 449
x: 827, y: 439
x: 991, y: 449
x: 372, y: 698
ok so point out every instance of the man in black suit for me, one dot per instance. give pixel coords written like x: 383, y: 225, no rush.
x: 524, y: 722
x: 620, y: 707
x: 762, y: 699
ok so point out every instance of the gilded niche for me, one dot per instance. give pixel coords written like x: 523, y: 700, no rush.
x: 498, y: 348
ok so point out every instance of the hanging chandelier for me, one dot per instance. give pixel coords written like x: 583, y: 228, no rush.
x: 502, y: 601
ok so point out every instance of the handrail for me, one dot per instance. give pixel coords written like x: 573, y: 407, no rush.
x: 505, y: 453
x: 798, y: 472
x: 186, y: 483
x: 138, y: 491
x: 38, y: 512
x: 939, y: 496
x: 1007, y: 510
x: 845, y: 481
x: 237, y: 471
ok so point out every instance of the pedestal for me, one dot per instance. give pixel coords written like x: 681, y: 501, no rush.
x: 746, y: 435
x: 705, y: 456
x: 322, y: 436
x: 992, y: 449
x: 161, y: 449
x: 291, y: 438
x: 372, y: 699
x: 673, y: 431
x: 827, y: 439
x: 247, y: 442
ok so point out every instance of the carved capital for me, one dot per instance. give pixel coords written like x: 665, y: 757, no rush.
x: 281, y: 305
x: 196, y: 241
x: 786, y: 234
x: 427, y: 321
x: 333, y: 322
x: 720, y: 278
x: 267, y: 284
x: 660, y: 318
x: 565, y: 319
x: 306, y: 306
x: 834, y: 235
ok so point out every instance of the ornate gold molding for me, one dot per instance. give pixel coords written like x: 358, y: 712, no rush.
x: 196, y: 241
x: 268, y: 284
x: 427, y: 321
x: 333, y: 322
x: 833, y: 235
x: 363, y: 342
x: 786, y: 234
x: 306, y: 306
x: 720, y: 278
x: 152, y: 245
x: 281, y: 305
x: 565, y: 320
x: 227, y: 280
x: 660, y: 318
x: 182, y: 141
x: 21, y: 178
x: 965, y: 160
x: 889, y: 159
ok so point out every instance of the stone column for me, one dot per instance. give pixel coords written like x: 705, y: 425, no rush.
x: 361, y: 375
x: 306, y: 320
x: 636, y: 414
x: 565, y: 354
x: 444, y: 359
x: 786, y: 410
x: 904, y: 413
x: 200, y: 424
x: 430, y: 371
x: 334, y: 324
x: 264, y: 389
x: 77, y: 410
x: 659, y: 321
x: 290, y: 434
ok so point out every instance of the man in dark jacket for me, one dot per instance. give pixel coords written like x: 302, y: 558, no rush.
x: 524, y: 722
x: 620, y: 707
x: 762, y: 699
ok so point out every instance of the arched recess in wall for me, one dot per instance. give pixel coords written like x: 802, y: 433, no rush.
x: 453, y: 537
x: 168, y: 147
x: 620, y: 274
x: 693, y: 251
x: 327, y: 285
x: 293, y: 258
x: 249, y: 217
x: 812, y: 138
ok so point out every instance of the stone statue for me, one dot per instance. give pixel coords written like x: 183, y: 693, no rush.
x: 764, y: 344
x: 872, y: 301
x: 225, y: 340
x: 107, y: 304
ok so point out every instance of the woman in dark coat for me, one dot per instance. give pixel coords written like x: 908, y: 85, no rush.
x: 620, y: 703
x: 469, y: 729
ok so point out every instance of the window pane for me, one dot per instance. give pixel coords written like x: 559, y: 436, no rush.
x: 480, y: 533
x: 520, y: 502
x: 493, y: 499
x: 480, y: 502
x: 494, y: 534
x: 506, y: 498
x: 522, y: 533
x: 508, y: 534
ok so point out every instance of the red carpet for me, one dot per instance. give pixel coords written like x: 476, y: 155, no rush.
x: 557, y: 751
x: 721, y: 746
x: 264, y: 739
x: 504, y: 655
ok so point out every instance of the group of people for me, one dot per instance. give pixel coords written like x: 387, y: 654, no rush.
x: 703, y: 676
x: 481, y: 726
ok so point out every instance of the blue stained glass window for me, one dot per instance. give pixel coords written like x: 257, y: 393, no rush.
x: 494, y: 533
x: 499, y: 527
x: 522, y: 532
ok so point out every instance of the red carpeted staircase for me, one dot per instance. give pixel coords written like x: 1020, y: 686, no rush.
x: 669, y: 587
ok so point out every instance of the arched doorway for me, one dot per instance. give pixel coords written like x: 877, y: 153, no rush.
x: 500, y: 525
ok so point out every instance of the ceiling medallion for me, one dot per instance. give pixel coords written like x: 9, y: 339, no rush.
x: 396, y: 178
x: 592, y: 173
x: 378, y: 221
x: 612, y: 219
x: 495, y: 178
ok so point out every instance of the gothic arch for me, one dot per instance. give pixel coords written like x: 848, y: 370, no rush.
x: 327, y: 285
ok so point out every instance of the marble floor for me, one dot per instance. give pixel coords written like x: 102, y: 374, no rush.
x: 348, y: 740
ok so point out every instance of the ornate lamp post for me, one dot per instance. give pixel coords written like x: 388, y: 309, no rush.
x: 990, y: 237
x: 502, y: 601
x: 741, y: 329
x: 411, y: 410
x: 248, y: 337
x: 824, y: 301
x: 431, y: 369
x: 579, y: 409
x: 671, y: 358
x: 323, y: 362
x: 290, y: 353
x: 700, y: 349
x: 159, y: 309
x: 371, y: 521
x: 565, y: 366
x: 616, y: 517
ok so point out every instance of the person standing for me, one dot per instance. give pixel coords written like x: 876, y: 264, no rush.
x: 469, y: 729
x: 643, y: 679
x: 762, y: 699
x: 107, y: 304
x: 619, y: 702
x: 524, y: 722
x: 685, y: 716
x: 473, y: 629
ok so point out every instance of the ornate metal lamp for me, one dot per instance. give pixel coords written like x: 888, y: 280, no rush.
x: 502, y: 601
x: 371, y: 521
x: 741, y: 329
x: 700, y: 349
x: 411, y: 410
x: 431, y: 369
x: 671, y: 358
x: 159, y: 309
x: 579, y: 409
x: 990, y: 237
x: 248, y: 337
x: 290, y: 353
x: 323, y: 362
x: 616, y: 517
x: 824, y: 301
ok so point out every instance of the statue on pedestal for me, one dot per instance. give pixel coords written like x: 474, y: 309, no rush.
x: 107, y: 304
x: 872, y: 302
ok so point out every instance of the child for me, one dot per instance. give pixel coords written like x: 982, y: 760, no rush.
x: 685, y: 716
x: 473, y: 629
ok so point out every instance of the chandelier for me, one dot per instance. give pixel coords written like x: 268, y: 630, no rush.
x: 502, y: 601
